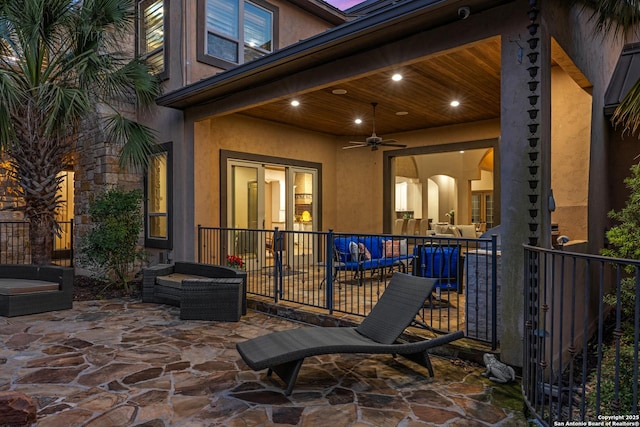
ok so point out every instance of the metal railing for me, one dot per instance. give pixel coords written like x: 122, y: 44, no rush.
x: 292, y: 266
x: 15, y: 243
x: 582, y: 321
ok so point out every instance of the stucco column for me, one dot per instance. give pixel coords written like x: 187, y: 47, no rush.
x: 515, y: 176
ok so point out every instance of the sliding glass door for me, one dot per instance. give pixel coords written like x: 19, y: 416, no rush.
x: 268, y: 196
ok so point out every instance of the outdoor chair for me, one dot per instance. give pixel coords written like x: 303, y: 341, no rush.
x: 202, y: 291
x: 283, y: 352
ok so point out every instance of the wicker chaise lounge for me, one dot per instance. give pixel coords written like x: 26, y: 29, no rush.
x: 283, y: 352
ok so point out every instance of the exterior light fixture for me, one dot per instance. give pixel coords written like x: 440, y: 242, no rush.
x: 396, y: 77
x: 295, y: 103
x: 455, y: 103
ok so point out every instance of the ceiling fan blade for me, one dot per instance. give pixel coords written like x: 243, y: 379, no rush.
x: 392, y: 144
x: 356, y: 145
x: 357, y: 142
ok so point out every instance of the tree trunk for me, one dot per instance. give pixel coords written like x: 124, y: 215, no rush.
x: 41, y: 241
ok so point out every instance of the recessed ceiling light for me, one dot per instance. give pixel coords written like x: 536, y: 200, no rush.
x: 402, y: 113
x: 338, y: 91
x: 455, y: 103
x: 396, y: 77
x: 295, y: 103
x: 358, y: 121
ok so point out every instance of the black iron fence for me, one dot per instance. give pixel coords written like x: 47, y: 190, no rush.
x: 15, y: 243
x: 581, y: 338
x: 347, y: 272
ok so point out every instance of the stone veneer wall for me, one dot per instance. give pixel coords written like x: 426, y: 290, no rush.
x: 96, y: 169
x: 14, y: 234
x: 478, y: 266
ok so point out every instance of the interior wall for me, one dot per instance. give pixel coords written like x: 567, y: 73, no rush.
x: 461, y: 166
x: 359, y: 173
x: 485, y: 183
x: 570, y: 158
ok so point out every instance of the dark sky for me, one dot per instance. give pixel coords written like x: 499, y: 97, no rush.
x: 343, y: 4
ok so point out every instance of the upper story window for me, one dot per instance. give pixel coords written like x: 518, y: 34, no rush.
x: 152, y: 45
x: 235, y: 31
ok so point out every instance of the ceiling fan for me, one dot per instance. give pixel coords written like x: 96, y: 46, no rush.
x: 374, y: 141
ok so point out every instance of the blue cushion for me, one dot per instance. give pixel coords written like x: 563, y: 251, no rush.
x: 342, y: 246
x: 374, y: 244
x: 438, y: 262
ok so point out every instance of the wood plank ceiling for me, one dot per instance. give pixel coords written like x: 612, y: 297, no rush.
x: 470, y: 74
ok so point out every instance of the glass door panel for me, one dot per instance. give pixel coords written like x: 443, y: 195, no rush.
x: 246, y: 212
x: 302, y: 209
x: 269, y: 196
x: 482, y: 209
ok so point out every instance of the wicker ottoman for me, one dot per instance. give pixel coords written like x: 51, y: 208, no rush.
x: 218, y: 299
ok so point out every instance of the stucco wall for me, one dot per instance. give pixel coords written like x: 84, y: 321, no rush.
x: 351, y: 179
x: 247, y: 135
x: 294, y: 24
x: 570, y: 141
x: 596, y: 57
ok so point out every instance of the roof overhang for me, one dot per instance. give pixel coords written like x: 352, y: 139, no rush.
x: 625, y: 75
x: 322, y: 10
x: 352, y: 38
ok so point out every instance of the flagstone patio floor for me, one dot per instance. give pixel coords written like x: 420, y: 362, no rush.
x: 124, y: 363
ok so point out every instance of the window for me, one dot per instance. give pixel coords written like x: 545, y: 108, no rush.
x: 235, y: 31
x: 152, y: 45
x: 158, y: 199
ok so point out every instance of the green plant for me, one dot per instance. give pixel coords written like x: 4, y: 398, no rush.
x: 625, y: 243
x: 112, y: 244
x: 624, y: 239
x: 64, y: 75
x: 607, y: 381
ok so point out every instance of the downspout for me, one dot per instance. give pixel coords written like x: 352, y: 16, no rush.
x: 184, y: 35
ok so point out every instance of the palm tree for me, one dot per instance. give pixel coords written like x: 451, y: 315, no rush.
x: 63, y: 75
x: 618, y: 17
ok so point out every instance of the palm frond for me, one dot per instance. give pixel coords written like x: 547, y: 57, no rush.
x: 627, y: 114
x: 137, y: 141
x: 135, y: 76
x: 65, y: 107
x: 612, y: 16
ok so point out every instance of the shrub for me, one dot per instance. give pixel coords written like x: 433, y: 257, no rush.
x: 607, y: 381
x: 112, y: 244
x: 625, y: 243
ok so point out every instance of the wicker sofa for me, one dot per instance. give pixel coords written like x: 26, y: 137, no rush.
x: 202, y: 291
x: 30, y: 289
